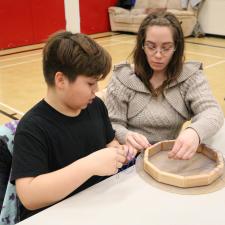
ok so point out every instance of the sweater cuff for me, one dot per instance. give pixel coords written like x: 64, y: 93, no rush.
x: 198, y: 131
x: 199, y: 139
x: 121, y: 133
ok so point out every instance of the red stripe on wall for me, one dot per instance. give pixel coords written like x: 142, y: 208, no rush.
x: 28, y: 22
x: 15, y: 23
x: 48, y: 17
x: 94, y: 16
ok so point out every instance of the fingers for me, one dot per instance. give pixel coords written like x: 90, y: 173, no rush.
x: 134, y: 143
x: 120, y: 158
x: 142, y: 140
x: 120, y: 155
x: 124, y: 154
x: 185, y: 145
x: 119, y: 165
x: 138, y: 141
x: 175, y: 149
x: 189, y: 155
x: 182, y: 151
x: 130, y: 153
x: 121, y: 151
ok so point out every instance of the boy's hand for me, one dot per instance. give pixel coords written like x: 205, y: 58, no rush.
x: 130, y: 152
x: 107, y: 161
x: 185, y: 145
x: 137, y: 141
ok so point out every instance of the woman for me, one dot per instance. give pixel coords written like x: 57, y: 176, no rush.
x: 151, y: 102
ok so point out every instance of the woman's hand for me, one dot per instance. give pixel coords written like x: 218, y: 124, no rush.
x: 185, y: 145
x: 137, y: 141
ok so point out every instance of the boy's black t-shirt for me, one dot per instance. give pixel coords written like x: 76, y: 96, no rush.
x: 47, y: 140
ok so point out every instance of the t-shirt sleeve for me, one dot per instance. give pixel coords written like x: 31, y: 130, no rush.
x: 110, y: 132
x: 30, y: 155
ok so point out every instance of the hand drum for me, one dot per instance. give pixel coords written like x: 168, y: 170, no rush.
x: 202, y: 169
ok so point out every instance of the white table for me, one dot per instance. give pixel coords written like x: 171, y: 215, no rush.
x: 127, y: 199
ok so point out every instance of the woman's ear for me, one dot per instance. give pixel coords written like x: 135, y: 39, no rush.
x: 59, y: 80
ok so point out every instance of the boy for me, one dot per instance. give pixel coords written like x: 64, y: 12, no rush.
x: 65, y: 143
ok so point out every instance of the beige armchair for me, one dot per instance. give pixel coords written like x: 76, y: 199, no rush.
x: 129, y: 20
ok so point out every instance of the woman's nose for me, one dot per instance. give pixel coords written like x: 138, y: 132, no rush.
x: 158, y: 53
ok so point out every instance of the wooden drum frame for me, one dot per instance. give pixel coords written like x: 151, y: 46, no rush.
x: 184, y: 181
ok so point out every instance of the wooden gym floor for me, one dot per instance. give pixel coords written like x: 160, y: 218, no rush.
x: 22, y: 84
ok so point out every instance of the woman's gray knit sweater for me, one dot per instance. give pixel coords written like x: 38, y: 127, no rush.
x: 131, y: 105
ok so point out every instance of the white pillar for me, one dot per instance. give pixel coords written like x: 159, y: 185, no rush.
x: 72, y: 14
x: 211, y: 17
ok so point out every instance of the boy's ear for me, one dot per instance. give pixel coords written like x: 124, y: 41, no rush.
x: 59, y: 80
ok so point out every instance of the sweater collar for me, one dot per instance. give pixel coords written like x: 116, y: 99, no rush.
x: 126, y: 75
x: 189, y: 68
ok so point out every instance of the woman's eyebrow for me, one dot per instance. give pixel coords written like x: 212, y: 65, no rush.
x: 151, y: 42
x: 164, y: 43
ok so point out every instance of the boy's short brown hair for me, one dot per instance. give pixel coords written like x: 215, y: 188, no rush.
x: 73, y: 55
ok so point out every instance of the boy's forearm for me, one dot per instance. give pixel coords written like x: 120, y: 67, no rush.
x: 47, y: 189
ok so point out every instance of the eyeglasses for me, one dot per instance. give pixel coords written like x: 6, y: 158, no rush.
x: 151, y: 50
